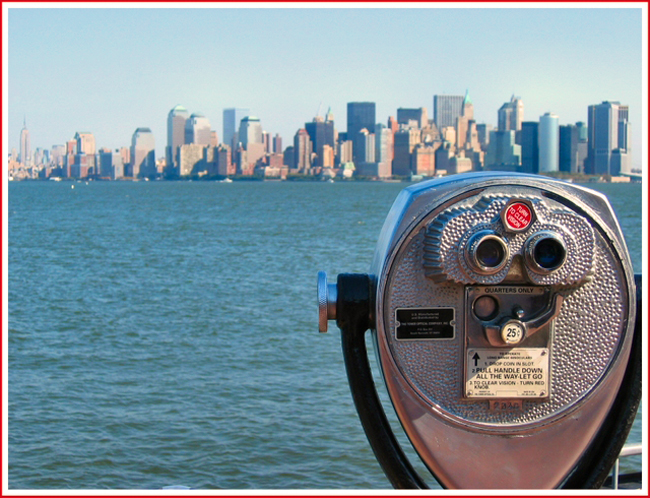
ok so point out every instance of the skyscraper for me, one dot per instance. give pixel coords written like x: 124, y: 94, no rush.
x: 302, y: 148
x: 511, y: 114
x: 231, y: 119
x: 384, y: 145
x: 503, y: 154
x: 197, y: 130
x: 530, y: 147
x: 404, y: 115
x: 175, y: 135
x: 360, y: 115
x: 483, y: 131
x: 250, y: 131
x: 25, y: 151
x: 608, y: 145
x: 468, y: 107
x: 363, y: 147
x: 85, y: 142
x: 143, y: 153
x: 549, y: 143
x: 568, y: 148
x: 321, y: 133
x: 404, y: 142
x: 277, y: 144
x: 446, y: 109
x: 110, y: 164
x: 251, y: 136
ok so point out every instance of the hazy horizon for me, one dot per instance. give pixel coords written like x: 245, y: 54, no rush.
x: 109, y: 71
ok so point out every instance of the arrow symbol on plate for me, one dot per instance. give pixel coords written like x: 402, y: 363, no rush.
x: 476, y: 357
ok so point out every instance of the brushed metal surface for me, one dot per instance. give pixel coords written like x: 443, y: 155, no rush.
x: 419, y: 263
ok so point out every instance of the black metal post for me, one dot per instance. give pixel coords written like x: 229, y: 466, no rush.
x: 353, y: 312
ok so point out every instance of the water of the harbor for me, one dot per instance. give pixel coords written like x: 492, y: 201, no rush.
x: 165, y: 334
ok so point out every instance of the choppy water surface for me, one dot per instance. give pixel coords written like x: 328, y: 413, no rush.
x: 166, y: 333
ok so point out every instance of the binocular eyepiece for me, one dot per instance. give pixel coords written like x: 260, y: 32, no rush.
x: 502, y: 307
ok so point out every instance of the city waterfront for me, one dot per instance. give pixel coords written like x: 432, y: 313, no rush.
x: 165, y: 333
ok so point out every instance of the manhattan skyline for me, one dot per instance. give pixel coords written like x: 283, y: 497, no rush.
x: 110, y: 71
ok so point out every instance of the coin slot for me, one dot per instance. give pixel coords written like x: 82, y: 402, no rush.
x: 486, y: 308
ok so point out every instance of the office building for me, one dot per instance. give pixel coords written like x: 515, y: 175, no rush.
x: 404, y: 142
x: 143, y: 154
x: 176, y: 119
x: 360, y: 115
x: 345, y: 152
x: 530, y: 147
x: 447, y: 109
x: 197, y: 130
x: 462, y: 121
x: 191, y: 159
x: 25, y: 150
x: 58, y: 152
x: 608, y: 150
x: 423, y: 159
x: 250, y: 131
x: 110, y: 164
x: 443, y: 156
x: 549, y: 143
x: 328, y: 156
x: 277, y: 144
x: 511, y: 114
x: 251, y: 137
x: 568, y: 148
x: 231, y: 120
x: 393, y: 124
x: 503, y: 154
x: 459, y: 164
x: 302, y: 149
x: 363, y: 147
x: 288, y: 157
x: 418, y: 115
x: 383, y: 144
x: 85, y: 142
x: 483, y: 132
x: 468, y: 107
x: 321, y: 134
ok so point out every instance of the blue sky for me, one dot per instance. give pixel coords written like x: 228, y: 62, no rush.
x: 110, y: 71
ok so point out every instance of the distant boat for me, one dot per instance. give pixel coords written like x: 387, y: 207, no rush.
x: 330, y: 180
x: 227, y: 180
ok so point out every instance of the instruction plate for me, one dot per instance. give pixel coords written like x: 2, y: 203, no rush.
x: 507, y: 373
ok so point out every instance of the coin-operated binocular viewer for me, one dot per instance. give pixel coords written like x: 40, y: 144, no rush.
x: 502, y: 308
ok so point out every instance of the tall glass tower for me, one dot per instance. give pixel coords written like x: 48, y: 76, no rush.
x: 197, y: 129
x: 608, y: 131
x: 175, y: 133
x: 360, y: 115
x: 549, y: 143
x: 231, y: 119
x: 143, y: 153
x: 446, y: 109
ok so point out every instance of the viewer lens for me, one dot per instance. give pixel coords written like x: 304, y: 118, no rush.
x: 490, y: 253
x: 545, y: 252
x: 486, y: 252
x: 549, y: 253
